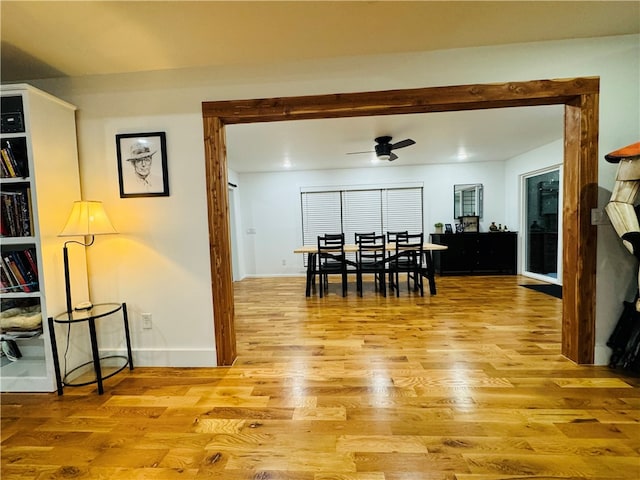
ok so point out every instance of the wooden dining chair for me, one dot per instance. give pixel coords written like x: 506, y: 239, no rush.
x: 392, y: 237
x: 407, y: 258
x: 370, y: 259
x: 351, y: 257
x: 331, y: 261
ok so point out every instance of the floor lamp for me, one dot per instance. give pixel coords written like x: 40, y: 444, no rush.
x: 87, y: 218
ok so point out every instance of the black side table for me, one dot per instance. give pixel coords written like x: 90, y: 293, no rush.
x: 90, y: 316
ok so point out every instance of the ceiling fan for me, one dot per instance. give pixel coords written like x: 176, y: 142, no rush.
x: 384, y: 146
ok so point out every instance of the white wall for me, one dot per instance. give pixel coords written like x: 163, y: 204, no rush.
x: 270, y: 205
x: 613, y: 260
x: 159, y: 263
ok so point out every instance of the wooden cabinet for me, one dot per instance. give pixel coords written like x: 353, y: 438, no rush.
x: 476, y: 253
x: 39, y: 131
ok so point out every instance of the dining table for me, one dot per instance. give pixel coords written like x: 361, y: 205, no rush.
x: 312, y: 251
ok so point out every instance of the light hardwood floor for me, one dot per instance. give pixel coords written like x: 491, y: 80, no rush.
x: 468, y: 384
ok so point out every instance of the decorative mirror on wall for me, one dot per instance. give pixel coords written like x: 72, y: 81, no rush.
x: 467, y: 200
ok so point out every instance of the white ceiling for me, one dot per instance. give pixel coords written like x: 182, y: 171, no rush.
x: 471, y: 136
x: 45, y: 39
x: 74, y: 38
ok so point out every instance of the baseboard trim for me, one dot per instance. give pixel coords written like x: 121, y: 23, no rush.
x: 274, y: 275
x: 153, y: 357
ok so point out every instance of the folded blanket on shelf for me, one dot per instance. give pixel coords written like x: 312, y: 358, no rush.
x: 21, y: 318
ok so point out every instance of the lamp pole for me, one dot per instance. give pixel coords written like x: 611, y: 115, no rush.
x: 67, y: 280
x: 67, y: 276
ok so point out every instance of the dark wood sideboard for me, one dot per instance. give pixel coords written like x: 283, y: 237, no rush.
x: 481, y: 253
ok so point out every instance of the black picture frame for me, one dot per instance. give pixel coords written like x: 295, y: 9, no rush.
x: 448, y: 228
x: 142, y: 164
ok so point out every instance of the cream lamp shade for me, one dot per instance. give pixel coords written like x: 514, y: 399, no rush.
x: 87, y: 218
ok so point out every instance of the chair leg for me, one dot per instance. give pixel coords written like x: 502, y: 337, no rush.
x: 429, y: 272
x: 344, y: 284
x: 396, y: 276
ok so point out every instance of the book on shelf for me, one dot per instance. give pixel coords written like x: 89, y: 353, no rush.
x: 9, y: 227
x: 30, y: 276
x: 17, y: 273
x: 14, y: 281
x: 30, y: 210
x: 4, y: 171
x: 30, y: 255
x: 23, y: 213
x: 11, y: 167
x: 15, y: 206
x: 6, y: 280
x: 7, y: 165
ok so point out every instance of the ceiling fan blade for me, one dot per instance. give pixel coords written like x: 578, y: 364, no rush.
x: 392, y: 157
x: 358, y: 153
x: 403, y: 143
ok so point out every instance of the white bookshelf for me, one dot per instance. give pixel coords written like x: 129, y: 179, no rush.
x: 53, y: 182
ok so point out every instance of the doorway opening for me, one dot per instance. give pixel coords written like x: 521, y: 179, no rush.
x: 542, y: 235
x: 580, y: 185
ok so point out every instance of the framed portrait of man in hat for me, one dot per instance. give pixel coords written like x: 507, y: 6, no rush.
x: 142, y: 164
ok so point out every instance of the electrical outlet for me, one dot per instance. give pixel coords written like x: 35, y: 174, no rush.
x: 146, y: 320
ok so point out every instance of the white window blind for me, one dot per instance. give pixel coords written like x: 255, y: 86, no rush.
x: 321, y: 213
x: 359, y: 210
x: 402, y: 210
x: 362, y: 213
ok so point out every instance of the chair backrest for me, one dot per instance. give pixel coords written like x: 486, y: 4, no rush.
x: 393, y: 236
x: 371, y: 249
x: 331, y: 239
x: 358, y: 236
x: 331, y: 249
x: 410, y: 246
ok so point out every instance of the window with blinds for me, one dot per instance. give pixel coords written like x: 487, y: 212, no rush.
x: 357, y: 210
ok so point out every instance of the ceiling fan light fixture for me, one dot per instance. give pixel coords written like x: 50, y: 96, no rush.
x: 384, y: 147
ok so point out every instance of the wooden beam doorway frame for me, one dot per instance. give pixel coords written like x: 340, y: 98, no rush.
x: 579, y: 96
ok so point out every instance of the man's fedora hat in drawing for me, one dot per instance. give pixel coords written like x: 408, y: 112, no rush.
x: 140, y: 150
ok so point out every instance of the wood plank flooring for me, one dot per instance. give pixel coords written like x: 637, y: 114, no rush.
x: 468, y: 384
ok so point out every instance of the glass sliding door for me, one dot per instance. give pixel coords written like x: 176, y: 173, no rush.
x: 542, y: 233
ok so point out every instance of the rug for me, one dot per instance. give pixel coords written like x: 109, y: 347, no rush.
x: 549, y: 289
